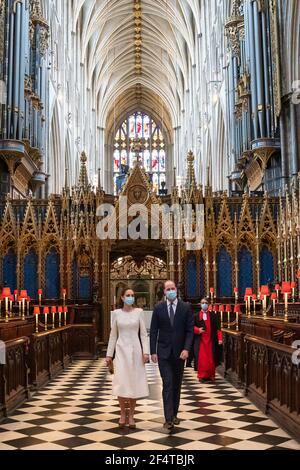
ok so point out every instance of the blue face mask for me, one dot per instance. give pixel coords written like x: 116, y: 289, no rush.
x: 171, y: 295
x: 204, y: 307
x: 129, y: 301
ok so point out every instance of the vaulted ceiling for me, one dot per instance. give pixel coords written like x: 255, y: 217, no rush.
x: 138, y: 53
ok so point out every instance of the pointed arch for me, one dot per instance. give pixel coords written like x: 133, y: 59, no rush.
x: 55, y: 161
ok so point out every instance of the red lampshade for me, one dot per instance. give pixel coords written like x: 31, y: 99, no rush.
x: 12, y: 298
x: 212, y: 290
x: 294, y: 285
x: 40, y: 292
x: 298, y: 274
x: 277, y: 287
x: 216, y: 308
x: 249, y: 292
x: 254, y: 298
x: 20, y: 299
x: 53, y: 309
x: 36, y: 311
x: 59, y: 309
x: 46, y: 310
x: 286, y: 288
x: 64, y: 291
x: 264, y: 290
x: 274, y: 296
x: 6, y: 292
x: 28, y: 299
x: 237, y: 309
x: 235, y: 290
x: 228, y: 308
x: 221, y: 308
x: 66, y: 309
x: 23, y: 294
x: 210, y: 308
x: 16, y: 292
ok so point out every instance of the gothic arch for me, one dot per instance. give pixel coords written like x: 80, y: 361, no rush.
x: 55, y: 163
x: 220, y: 151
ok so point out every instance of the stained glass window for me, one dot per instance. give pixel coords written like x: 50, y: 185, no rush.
x: 140, y: 128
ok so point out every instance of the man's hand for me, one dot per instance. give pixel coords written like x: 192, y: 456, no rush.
x: 201, y: 331
x: 146, y: 358
x: 154, y: 358
x: 108, y: 360
x: 184, y: 355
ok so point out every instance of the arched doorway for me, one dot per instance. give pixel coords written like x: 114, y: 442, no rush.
x: 144, y: 273
x: 145, y: 276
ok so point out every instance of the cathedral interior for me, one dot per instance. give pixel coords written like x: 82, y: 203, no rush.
x: 121, y: 114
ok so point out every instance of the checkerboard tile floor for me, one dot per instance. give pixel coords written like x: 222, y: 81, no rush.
x: 77, y: 411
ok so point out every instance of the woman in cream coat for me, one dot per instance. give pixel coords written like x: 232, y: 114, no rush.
x: 129, y: 343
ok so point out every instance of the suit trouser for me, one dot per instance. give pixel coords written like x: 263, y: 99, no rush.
x: 171, y: 371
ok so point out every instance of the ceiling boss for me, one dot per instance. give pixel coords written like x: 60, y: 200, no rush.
x: 137, y: 14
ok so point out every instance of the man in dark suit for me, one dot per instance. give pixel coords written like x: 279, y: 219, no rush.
x: 171, y: 337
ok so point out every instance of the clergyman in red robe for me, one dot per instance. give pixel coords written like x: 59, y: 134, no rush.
x: 207, y: 343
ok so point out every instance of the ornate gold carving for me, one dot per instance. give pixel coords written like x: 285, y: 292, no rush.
x: 254, y: 175
x: 137, y: 14
x: 233, y: 29
x: 138, y: 195
x: 37, y: 20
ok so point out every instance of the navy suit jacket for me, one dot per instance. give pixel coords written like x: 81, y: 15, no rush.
x: 167, y: 341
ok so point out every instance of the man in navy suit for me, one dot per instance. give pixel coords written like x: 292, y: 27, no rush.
x: 171, y: 337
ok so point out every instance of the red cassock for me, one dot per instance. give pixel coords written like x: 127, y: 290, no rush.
x: 206, y: 361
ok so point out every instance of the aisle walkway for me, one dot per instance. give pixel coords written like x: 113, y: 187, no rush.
x: 77, y: 411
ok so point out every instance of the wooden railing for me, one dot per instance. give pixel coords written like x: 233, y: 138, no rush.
x: 32, y: 362
x: 14, y: 388
x: 265, y: 370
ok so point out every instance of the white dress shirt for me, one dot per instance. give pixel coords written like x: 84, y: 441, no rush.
x: 174, y: 303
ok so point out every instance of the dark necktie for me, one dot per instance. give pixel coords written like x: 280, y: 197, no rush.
x: 172, y: 313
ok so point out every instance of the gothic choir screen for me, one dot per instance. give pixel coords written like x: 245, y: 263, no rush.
x: 149, y: 191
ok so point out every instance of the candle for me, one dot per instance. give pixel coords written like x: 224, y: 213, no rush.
x: 11, y: 299
x: 6, y: 295
x: 212, y: 294
x: 53, y: 311
x: 28, y: 305
x: 20, y: 306
x: 293, y: 286
x: 237, y: 310
x: 64, y: 293
x: 60, y: 310
x: 221, y: 310
x: 286, y: 307
x: 254, y: 300
x: 236, y: 294
x: 274, y: 298
x: 46, y: 313
x: 264, y: 293
x: 36, y: 312
x: 286, y: 290
x: 16, y: 294
x: 40, y: 293
x: 228, y: 310
x: 65, y: 312
x: 277, y: 288
x: 249, y: 293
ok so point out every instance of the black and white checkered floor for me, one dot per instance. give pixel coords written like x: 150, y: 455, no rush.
x: 77, y: 411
